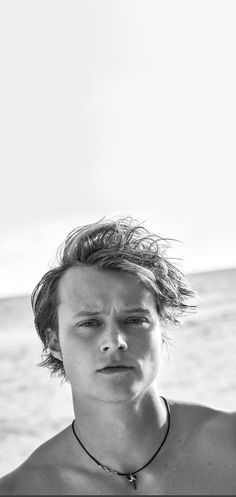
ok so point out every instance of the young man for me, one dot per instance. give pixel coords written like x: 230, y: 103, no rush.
x: 102, y: 315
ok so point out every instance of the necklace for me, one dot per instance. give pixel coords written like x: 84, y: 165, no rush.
x: 131, y: 477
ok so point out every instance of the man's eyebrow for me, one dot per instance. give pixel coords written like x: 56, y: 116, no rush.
x: 126, y: 311
x: 138, y: 309
x: 86, y: 313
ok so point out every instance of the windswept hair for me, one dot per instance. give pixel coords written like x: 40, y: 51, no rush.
x: 122, y: 244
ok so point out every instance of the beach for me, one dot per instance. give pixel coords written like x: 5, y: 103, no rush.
x: 201, y: 367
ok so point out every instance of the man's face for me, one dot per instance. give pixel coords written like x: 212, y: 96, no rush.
x: 107, y: 318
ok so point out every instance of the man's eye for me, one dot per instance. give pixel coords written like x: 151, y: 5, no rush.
x: 136, y: 320
x: 88, y: 324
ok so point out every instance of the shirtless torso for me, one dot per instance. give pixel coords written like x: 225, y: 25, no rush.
x: 198, y: 457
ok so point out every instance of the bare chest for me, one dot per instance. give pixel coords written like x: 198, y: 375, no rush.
x: 192, y: 477
x: 201, y: 468
x: 197, y: 468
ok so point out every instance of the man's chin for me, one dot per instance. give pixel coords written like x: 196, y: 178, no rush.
x: 116, y: 395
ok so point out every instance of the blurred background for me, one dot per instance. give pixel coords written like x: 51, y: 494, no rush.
x: 116, y: 107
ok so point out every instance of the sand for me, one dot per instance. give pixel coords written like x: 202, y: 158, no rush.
x: 201, y: 367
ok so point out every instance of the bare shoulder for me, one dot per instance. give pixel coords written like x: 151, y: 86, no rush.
x: 17, y: 482
x: 36, y: 474
x: 221, y: 429
x: 24, y: 480
x: 205, y: 423
x: 197, y: 414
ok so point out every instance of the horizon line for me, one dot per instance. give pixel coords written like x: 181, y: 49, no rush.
x: 188, y: 274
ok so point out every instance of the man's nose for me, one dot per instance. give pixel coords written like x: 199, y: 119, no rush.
x: 113, y: 339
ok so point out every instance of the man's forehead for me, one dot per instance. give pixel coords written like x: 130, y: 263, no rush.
x: 91, y: 285
x: 91, y: 275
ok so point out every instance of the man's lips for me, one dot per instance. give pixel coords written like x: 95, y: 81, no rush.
x: 114, y: 364
x: 118, y: 368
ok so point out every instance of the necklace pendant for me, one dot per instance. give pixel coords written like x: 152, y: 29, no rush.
x: 132, y: 479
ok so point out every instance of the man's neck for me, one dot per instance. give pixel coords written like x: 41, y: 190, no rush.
x: 122, y: 436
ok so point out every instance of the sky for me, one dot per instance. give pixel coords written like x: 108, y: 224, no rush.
x: 116, y: 107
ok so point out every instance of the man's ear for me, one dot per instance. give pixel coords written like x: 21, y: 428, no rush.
x: 53, y: 345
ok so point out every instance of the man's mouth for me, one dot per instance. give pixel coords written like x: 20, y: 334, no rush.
x: 114, y: 369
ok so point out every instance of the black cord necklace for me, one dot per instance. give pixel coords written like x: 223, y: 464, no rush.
x: 131, y: 477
